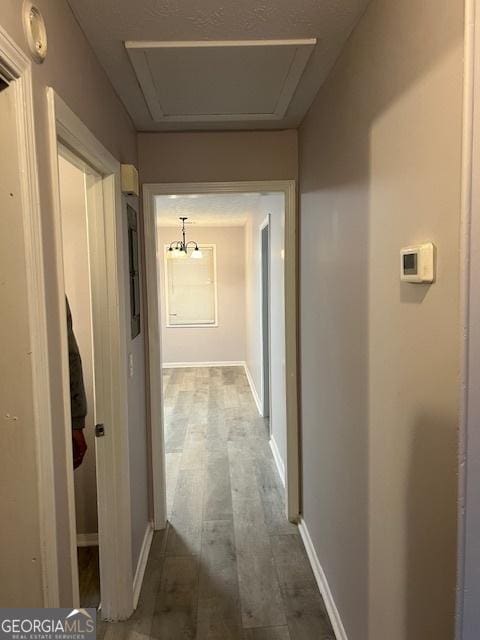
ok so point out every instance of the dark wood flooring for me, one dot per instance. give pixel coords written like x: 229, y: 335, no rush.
x: 89, y: 577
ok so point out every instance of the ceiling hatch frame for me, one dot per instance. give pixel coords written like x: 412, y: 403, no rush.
x: 138, y: 53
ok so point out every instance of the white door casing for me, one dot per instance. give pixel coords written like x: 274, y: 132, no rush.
x: 468, y: 584
x: 152, y: 252
x: 105, y: 221
x: 16, y: 68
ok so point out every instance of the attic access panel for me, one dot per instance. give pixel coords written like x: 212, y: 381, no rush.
x: 219, y: 81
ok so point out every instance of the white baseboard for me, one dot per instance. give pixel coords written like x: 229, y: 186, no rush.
x: 278, y: 459
x: 87, y: 539
x: 142, y: 563
x: 321, y: 578
x: 194, y: 365
x: 255, y: 395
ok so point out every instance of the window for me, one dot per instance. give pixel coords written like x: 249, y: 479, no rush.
x: 191, y: 289
x: 134, y: 272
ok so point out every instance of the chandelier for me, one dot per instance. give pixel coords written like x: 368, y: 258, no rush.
x: 179, y: 248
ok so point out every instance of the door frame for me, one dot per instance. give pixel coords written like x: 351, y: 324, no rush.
x: 265, y: 224
x: 468, y: 583
x: 152, y: 253
x: 17, y: 69
x: 113, y: 479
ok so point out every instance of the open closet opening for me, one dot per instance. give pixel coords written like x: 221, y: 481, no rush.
x: 75, y: 179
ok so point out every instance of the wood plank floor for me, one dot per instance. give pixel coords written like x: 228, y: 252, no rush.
x: 229, y: 565
x: 88, y: 576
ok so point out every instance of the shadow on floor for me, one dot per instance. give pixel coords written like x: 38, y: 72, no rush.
x: 89, y: 577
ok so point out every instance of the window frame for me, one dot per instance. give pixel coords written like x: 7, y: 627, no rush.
x: 168, y: 325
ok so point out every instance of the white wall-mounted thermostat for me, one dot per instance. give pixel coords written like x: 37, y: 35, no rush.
x: 417, y: 263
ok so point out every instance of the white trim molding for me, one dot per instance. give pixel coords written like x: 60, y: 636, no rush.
x: 17, y: 69
x: 266, y: 409
x: 195, y: 365
x: 253, y: 389
x: 321, y: 578
x: 105, y: 224
x: 468, y: 556
x: 142, y: 563
x: 152, y: 251
x: 278, y: 459
x: 87, y: 539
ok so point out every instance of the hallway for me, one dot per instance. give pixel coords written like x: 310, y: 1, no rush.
x: 229, y: 566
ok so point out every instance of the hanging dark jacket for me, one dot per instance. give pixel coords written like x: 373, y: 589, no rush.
x: 78, y: 398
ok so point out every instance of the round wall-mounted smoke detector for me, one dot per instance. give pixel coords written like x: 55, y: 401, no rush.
x: 35, y: 31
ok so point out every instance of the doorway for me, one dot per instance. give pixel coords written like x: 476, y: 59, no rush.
x: 468, y: 587
x: 103, y: 237
x: 265, y: 250
x: 287, y: 259
x: 78, y: 183
x: 220, y: 280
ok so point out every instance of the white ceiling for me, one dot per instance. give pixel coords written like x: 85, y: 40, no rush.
x: 228, y: 210
x: 108, y: 24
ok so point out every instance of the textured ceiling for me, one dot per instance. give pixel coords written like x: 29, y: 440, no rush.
x: 109, y: 23
x: 229, y: 210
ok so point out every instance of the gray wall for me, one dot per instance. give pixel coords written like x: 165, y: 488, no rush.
x: 225, y: 342
x: 272, y: 204
x: 74, y: 72
x: 253, y: 284
x: 380, y: 165
x: 138, y: 430
x: 275, y: 206
x: 218, y: 156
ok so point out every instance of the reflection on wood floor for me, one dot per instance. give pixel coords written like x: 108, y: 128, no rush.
x: 229, y: 565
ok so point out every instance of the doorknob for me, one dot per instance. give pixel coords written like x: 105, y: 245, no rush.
x: 99, y: 430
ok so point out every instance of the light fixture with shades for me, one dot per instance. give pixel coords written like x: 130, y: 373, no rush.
x: 179, y: 248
